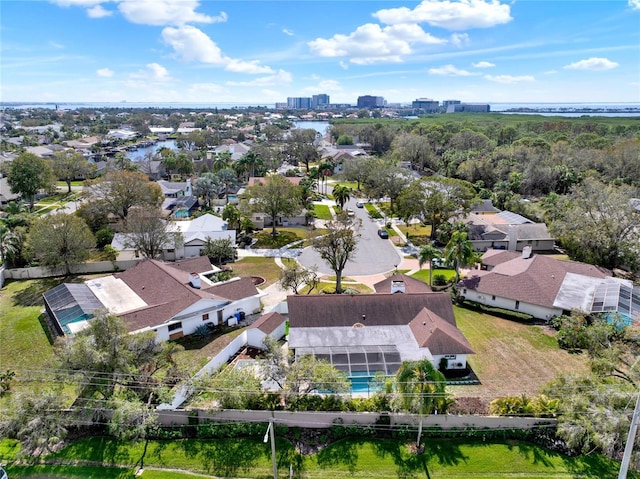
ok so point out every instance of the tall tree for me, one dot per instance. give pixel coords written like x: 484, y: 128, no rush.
x: 459, y: 251
x: 148, y: 233
x: 276, y: 196
x: 301, y: 147
x: 207, y: 187
x: 29, y: 174
x: 338, y: 246
x: 426, y: 254
x: 436, y: 200
x: 60, y: 239
x: 598, y: 224
x: 119, y: 191
x: 341, y: 194
x: 70, y: 165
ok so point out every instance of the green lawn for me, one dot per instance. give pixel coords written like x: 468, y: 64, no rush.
x: 354, y: 458
x: 373, y: 212
x: 25, y: 345
x: 512, y: 357
x: 423, y: 274
x: 322, y: 212
x: 257, y: 266
x: 416, y: 229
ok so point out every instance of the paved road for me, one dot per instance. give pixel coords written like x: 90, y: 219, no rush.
x: 374, y: 254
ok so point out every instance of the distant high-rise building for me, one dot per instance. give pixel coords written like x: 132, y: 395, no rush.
x: 447, y: 103
x: 319, y: 101
x: 369, y: 101
x: 469, y: 107
x: 426, y: 105
x: 299, y: 103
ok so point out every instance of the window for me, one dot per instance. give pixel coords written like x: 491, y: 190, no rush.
x: 205, y: 317
x: 174, y: 326
x: 493, y: 298
x: 517, y: 304
x: 171, y: 250
x: 464, y: 291
x: 449, y: 356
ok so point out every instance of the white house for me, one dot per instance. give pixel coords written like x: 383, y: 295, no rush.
x: 171, y: 299
x: 524, y: 282
x: 368, y: 333
x: 188, y: 241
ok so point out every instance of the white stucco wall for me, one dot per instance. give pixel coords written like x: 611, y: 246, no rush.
x: 535, y: 310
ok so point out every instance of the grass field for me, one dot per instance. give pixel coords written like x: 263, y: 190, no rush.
x: 257, y: 266
x: 354, y: 458
x: 512, y: 358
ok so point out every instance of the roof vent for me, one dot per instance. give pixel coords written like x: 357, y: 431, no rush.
x: 363, y: 317
x: 194, y: 280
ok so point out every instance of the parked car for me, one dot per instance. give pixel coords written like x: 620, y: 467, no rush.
x: 359, y: 204
x: 440, y: 263
x: 383, y: 233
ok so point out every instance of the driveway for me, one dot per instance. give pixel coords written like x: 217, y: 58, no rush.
x: 374, y: 255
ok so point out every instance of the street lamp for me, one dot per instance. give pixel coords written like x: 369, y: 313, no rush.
x: 269, y: 434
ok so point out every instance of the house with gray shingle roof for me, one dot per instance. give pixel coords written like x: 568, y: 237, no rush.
x: 527, y: 283
x: 363, y: 334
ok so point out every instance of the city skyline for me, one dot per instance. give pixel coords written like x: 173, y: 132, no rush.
x: 262, y: 52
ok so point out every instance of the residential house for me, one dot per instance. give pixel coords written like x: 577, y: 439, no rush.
x: 179, y: 200
x: 525, y: 282
x: 190, y: 238
x: 364, y: 334
x: 171, y: 299
x: 261, y: 220
x: 506, y: 230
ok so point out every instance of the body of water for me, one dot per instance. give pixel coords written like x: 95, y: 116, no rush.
x: 320, y: 126
x: 141, y: 152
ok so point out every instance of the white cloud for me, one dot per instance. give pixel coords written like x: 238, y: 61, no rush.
x: 153, y: 72
x: 191, y: 44
x: 510, y: 79
x: 56, y: 45
x: 286, y: 31
x: 251, y: 67
x: 344, y: 65
x: 460, y: 39
x: 280, y: 78
x: 98, y: 12
x: 449, y: 14
x: 372, y: 44
x: 593, y: 64
x: 450, y: 70
x: 634, y: 4
x: 483, y: 65
x: 166, y: 12
x: 197, y: 89
x: 104, y: 72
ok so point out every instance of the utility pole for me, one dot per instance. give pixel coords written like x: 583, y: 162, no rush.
x: 628, y: 448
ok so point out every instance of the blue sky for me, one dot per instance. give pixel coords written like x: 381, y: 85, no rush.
x: 261, y: 52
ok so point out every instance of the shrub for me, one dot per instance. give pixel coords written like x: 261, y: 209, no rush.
x: 439, y: 280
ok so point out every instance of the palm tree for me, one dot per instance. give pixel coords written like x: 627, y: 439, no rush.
x: 9, y: 243
x: 459, y: 251
x: 221, y: 161
x: 426, y: 254
x: 422, y: 389
x: 341, y: 194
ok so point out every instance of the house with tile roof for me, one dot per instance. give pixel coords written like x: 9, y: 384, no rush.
x: 363, y: 334
x: 524, y: 282
x: 171, y: 299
